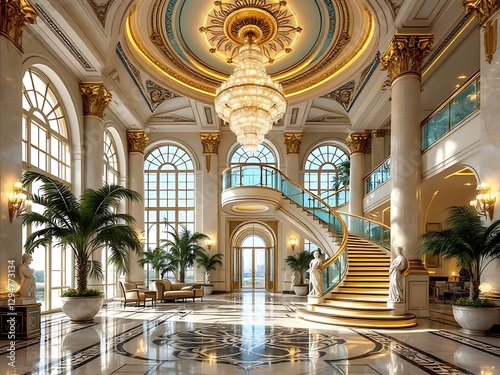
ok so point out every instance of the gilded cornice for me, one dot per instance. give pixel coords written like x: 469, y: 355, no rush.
x: 358, y: 142
x: 483, y: 8
x: 95, y: 99
x: 405, y: 54
x: 137, y: 140
x: 210, y: 143
x: 379, y: 133
x: 292, y: 142
x: 14, y: 16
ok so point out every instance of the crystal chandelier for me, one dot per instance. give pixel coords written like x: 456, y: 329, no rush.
x: 250, y: 101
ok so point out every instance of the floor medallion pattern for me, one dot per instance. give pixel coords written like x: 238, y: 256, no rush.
x: 249, y: 346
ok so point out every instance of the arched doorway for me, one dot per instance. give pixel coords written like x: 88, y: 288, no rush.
x: 253, y: 257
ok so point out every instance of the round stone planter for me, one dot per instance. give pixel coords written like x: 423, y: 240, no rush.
x: 475, y: 320
x: 208, y: 289
x: 81, y: 309
x: 300, y: 290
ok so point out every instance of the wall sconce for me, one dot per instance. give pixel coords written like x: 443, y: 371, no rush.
x: 293, y: 242
x: 18, y: 202
x: 484, y: 203
x: 210, y: 241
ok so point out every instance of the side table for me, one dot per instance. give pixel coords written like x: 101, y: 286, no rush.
x: 20, y: 321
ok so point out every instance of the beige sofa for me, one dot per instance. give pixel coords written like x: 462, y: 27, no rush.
x: 167, y: 291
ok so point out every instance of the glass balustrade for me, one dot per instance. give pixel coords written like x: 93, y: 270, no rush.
x: 378, y: 176
x: 367, y: 229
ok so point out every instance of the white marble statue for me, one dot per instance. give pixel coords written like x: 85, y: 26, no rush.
x: 396, y: 281
x: 28, y: 280
x: 315, y: 275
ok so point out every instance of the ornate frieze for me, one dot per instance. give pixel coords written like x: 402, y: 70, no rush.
x: 292, y: 142
x: 343, y: 94
x: 483, y: 8
x: 95, y: 99
x: 157, y: 94
x: 210, y: 143
x: 137, y: 140
x: 14, y: 16
x: 101, y: 10
x: 358, y: 142
x: 405, y: 54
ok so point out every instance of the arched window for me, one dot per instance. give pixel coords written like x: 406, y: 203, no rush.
x: 263, y: 155
x: 46, y: 148
x: 110, y: 176
x: 169, y: 194
x: 322, y: 167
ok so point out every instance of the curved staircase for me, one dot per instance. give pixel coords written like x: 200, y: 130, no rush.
x: 361, y: 300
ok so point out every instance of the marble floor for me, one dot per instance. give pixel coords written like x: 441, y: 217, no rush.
x: 243, y: 333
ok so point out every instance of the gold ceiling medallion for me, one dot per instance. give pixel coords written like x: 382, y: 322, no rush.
x: 273, y: 26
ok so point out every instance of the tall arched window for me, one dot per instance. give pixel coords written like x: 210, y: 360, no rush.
x: 263, y: 155
x: 169, y: 194
x: 110, y: 176
x: 322, y: 170
x: 46, y: 148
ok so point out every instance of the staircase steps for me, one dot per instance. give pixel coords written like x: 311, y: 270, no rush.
x: 361, y: 301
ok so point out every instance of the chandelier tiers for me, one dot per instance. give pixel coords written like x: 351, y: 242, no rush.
x: 250, y: 101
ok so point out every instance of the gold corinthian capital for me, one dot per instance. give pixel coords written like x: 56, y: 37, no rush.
x: 137, y: 140
x: 95, y: 99
x: 405, y: 54
x: 358, y: 142
x: 210, y: 143
x: 14, y: 16
x: 292, y: 143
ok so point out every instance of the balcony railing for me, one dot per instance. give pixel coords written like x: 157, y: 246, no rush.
x: 464, y: 102
x: 378, y: 176
x: 336, y: 198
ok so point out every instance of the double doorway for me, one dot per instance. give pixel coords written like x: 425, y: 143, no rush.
x: 253, y: 258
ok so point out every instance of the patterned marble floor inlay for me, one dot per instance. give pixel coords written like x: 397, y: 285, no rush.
x: 241, y: 334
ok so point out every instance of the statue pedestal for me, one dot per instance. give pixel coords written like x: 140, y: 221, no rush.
x: 399, y: 307
x: 313, y: 300
x: 25, y: 301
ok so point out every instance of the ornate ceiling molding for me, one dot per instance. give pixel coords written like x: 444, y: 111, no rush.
x: 405, y: 54
x: 14, y: 16
x: 101, y: 10
x: 343, y: 94
x: 482, y: 8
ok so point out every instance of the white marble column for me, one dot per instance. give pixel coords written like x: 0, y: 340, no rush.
x: 292, y: 143
x: 489, y: 169
x: 403, y: 59
x: 136, y: 143
x: 357, y: 143
x: 11, y: 75
x: 209, y: 201
x: 378, y: 148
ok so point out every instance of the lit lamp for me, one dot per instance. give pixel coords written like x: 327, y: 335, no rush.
x: 293, y: 242
x: 453, y: 274
x: 210, y: 242
x: 18, y: 202
x: 250, y: 101
x: 484, y: 203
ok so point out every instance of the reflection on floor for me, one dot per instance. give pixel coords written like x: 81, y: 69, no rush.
x: 244, y: 333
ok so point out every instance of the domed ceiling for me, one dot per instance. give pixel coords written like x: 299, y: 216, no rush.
x: 190, y: 46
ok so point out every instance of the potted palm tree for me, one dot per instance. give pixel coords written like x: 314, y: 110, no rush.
x: 84, y: 226
x: 182, y: 248
x: 155, y: 258
x: 474, y: 246
x: 208, y: 263
x: 298, y: 265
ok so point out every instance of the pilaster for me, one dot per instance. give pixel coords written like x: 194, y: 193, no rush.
x: 292, y: 143
x: 210, y: 143
x: 358, y: 145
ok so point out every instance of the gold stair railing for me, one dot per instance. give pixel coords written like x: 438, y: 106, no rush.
x: 334, y: 268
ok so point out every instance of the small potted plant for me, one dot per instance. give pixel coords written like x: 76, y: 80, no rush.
x: 208, y: 263
x: 474, y: 246
x: 298, y: 265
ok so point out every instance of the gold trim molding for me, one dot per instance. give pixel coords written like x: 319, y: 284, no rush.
x: 379, y: 133
x: 14, y: 16
x: 483, y: 8
x: 95, y: 99
x: 490, y: 39
x: 358, y: 142
x: 292, y: 142
x: 210, y: 143
x: 137, y: 140
x: 405, y: 54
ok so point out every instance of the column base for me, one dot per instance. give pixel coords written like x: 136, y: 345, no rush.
x: 399, y: 308
x: 417, y: 292
x: 313, y: 300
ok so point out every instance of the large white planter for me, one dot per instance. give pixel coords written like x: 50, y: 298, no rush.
x: 208, y: 289
x: 81, y: 309
x: 475, y: 320
x: 300, y: 290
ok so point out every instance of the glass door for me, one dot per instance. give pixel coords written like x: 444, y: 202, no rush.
x: 253, y: 264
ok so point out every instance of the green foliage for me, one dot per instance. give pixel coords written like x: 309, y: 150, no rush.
x: 300, y: 263
x: 209, y: 262
x: 467, y: 240
x: 156, y: 258
x: 182, y: 248
x: 343, y: 174
x: 480, y: 302
x: 85, y: 225
x: 71, y: 292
